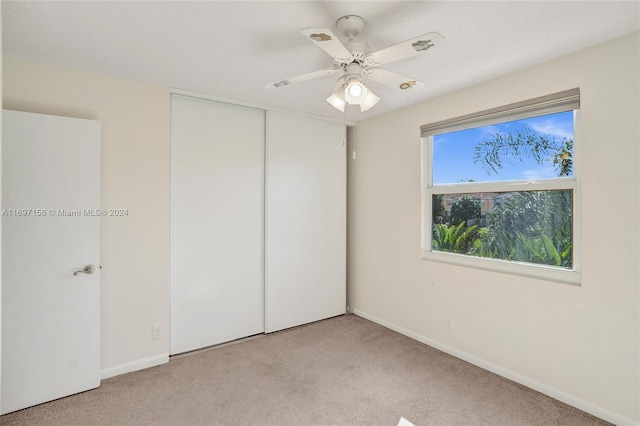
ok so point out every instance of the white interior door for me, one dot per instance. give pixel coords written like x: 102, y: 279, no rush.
x: 50, y: 317
x: 217, y: 222
x: 306, y: 220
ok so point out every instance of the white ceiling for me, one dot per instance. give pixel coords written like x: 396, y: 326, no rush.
x: 231, y: 49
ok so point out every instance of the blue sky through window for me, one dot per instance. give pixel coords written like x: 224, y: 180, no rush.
x: 453, y: 152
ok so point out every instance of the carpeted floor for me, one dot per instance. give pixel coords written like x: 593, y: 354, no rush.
x: 341, y: 371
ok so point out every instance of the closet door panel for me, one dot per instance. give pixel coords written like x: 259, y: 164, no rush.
x: 305, y: 220
x: 217, y: 222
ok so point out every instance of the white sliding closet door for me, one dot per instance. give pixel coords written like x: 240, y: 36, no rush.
x: 306, y: 220
x: 217, y: 222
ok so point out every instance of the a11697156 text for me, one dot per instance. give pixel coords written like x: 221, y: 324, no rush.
x: 64, y: 212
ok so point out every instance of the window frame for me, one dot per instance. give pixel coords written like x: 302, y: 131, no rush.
x: 558, y: 102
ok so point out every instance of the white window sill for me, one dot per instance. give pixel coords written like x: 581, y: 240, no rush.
x: 542, y: 272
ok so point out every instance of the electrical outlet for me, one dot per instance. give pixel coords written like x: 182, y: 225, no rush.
x: 156, y: 332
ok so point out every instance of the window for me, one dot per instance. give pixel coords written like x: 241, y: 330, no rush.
x: 500, y: 189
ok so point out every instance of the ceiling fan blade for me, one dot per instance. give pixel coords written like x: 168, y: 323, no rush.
x: 300, y: 78
x: 403, y: 50
x: 328, y: 42
x: 392, y: 79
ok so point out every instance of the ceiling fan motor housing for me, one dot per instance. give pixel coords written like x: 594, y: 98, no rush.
x: 354, y: 69
x: 358, y: 50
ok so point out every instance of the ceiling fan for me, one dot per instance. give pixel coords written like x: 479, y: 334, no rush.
x: 356, y: 64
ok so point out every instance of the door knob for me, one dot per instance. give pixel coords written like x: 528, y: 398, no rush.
x: 89, y: 269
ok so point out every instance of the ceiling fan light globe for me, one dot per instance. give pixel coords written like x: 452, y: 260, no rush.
x: 337, y: 102
x: 355, y: 90
x: 369, y: 101
x: 356, y: 100
x: 337, y: 97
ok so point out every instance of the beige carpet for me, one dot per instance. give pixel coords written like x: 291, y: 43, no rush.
x: 344, y: 370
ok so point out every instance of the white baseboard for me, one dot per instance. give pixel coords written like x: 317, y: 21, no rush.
x: 139, y: 364
x: 542, y: 388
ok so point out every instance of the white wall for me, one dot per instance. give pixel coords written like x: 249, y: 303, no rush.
x: 135, y: 176
x: 578, y: 343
